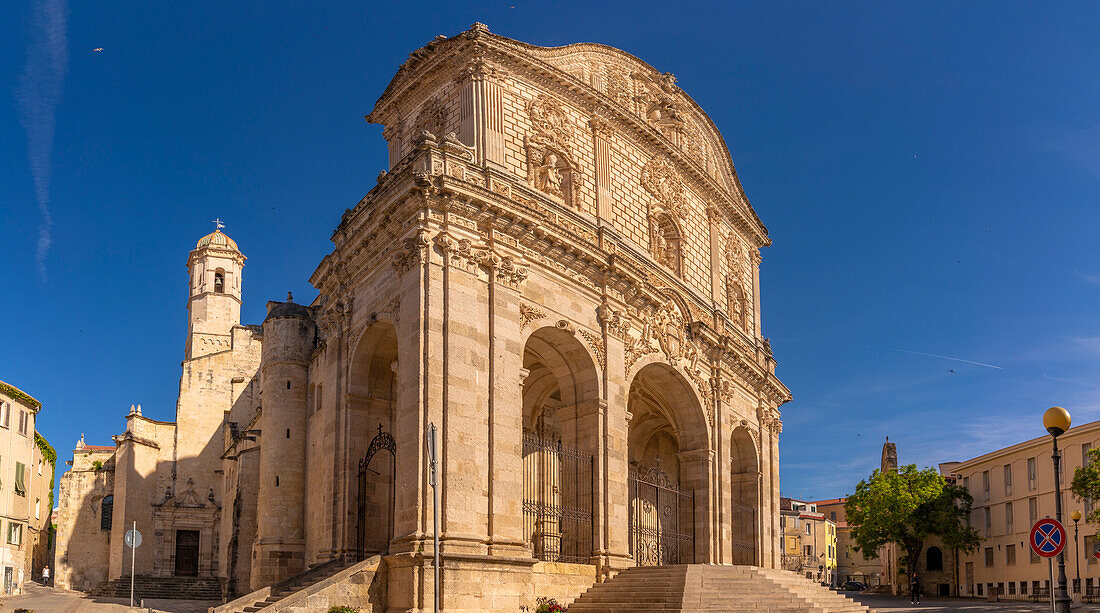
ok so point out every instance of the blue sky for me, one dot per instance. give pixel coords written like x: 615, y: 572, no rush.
x: 929, y: 174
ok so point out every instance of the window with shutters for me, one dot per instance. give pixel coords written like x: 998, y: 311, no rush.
x: 1031, y: 477
x: 989, y: 557
x: 15, y: 534
x: 988, y: 522
x: 1010, y: 554
x: 1009, y: 528
x: 985, y: 485
x: 1008, y: 480
x: 20, y: 487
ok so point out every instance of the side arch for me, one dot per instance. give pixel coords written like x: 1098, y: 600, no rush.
x: 744, y: 497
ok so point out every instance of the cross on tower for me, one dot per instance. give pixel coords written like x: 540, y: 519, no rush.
x: 218, y: 225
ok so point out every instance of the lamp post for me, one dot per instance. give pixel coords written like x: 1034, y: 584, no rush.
x: 1076, y: 517
x: 1056, y: 420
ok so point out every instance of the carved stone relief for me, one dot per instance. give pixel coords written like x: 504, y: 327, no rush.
x: 550, y: 165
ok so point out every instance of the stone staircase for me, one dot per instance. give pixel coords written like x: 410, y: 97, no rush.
x: 697, y: 587
x: 179, y: 588
x: 271, y: 598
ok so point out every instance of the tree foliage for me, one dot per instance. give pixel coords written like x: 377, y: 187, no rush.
x: 1086, y: 483
x: 906, y: 508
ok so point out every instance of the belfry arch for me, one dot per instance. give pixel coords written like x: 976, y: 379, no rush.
x: 560, y: 398
x: 372, y: 449
x: 667, y: 451
x: 744, y: 497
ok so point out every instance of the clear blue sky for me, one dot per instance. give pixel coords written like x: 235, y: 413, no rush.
x: 928, y: 172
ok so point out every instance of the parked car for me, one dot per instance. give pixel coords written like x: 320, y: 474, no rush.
x: 853, y: 586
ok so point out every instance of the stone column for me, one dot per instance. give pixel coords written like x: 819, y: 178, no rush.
x: 464, y: 353
x: 601, y: 135
x: 505, y: 411
x: 481, y: 112
x: 611, y: 519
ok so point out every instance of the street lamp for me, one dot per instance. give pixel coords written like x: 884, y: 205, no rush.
x: 1056, y: 420
x: 1076, y: 517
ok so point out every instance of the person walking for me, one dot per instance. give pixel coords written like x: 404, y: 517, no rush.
x: 46, y: 576
x: 914, y: 589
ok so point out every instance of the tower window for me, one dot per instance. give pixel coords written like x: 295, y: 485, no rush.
x: 219, y: 281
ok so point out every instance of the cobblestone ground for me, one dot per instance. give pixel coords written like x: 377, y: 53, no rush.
x: 895, y: 604
x: 51, y: 600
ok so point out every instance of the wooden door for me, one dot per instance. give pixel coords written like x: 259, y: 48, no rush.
x: 187, y: 553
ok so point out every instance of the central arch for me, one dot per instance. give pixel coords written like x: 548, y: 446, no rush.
x: 560, y: 398
x: 668, y: 450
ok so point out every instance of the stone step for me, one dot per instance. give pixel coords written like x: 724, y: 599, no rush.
x: 691, y: 588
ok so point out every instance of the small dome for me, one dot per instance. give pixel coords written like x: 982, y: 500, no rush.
x: 217, y: 240
x: 288, y: 309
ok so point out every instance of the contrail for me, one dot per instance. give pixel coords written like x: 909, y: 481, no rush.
x: 927, y: 355
x: 38, y: 94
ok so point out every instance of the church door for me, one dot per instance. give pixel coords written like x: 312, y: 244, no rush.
x: 376, y: 496
x: 187, y: 553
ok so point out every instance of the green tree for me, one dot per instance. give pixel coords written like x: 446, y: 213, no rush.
x: 1086, y: 483
x: 906, y: 508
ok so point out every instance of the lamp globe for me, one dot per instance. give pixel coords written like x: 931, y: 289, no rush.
x: 1056, y: 420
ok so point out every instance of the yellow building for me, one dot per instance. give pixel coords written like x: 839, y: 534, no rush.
x: 809, y: 541
x: 26, y: 472
x: 1012, y: 488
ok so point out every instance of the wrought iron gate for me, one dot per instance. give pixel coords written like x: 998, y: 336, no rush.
x: 374, y: 504
x: 662, y: 519
x: 557, y: 500
x: 743, y: 524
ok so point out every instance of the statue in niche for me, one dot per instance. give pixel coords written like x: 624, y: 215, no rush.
x: 548, y: 177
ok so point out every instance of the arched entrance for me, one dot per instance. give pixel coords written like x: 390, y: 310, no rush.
x: 744, y: 496
x: 372, y: 448
x: 560, y: 396
x: 667, y: 488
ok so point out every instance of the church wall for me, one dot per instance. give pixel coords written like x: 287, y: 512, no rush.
x: 143, y: 471
x: 206, y: 392
x: 82, y: 554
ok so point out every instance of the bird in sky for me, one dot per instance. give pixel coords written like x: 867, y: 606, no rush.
x: 97, y: 50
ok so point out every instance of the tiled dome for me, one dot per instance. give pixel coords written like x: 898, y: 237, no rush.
x: 218, y: 240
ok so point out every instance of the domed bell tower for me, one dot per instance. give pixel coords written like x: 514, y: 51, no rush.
x: 214, y: 302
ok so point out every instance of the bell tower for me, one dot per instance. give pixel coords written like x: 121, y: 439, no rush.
x: 214, y: 300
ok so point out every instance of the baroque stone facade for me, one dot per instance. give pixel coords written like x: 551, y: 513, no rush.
x: 559, y: 271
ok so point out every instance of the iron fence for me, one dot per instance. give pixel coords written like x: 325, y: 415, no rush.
x: 662, y: 519
x: 557, y: 500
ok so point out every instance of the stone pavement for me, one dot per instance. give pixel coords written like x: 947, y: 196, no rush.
x: 52, y: 600
x: 897, y: 604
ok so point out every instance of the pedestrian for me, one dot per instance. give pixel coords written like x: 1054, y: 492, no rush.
x: 914, y: 589
x: 46, y: 575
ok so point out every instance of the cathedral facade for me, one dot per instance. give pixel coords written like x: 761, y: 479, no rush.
x: 559, y: 273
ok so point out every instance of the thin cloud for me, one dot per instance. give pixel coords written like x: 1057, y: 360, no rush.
x: 38, y: 94
x: 920, y: 353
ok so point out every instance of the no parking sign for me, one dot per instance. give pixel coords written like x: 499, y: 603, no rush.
x: 1048, y: 538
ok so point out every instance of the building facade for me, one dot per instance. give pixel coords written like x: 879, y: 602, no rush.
x: 809, y: 541
x: 1012, y: 488
x: 26, y: 489
x: 559, y: 272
